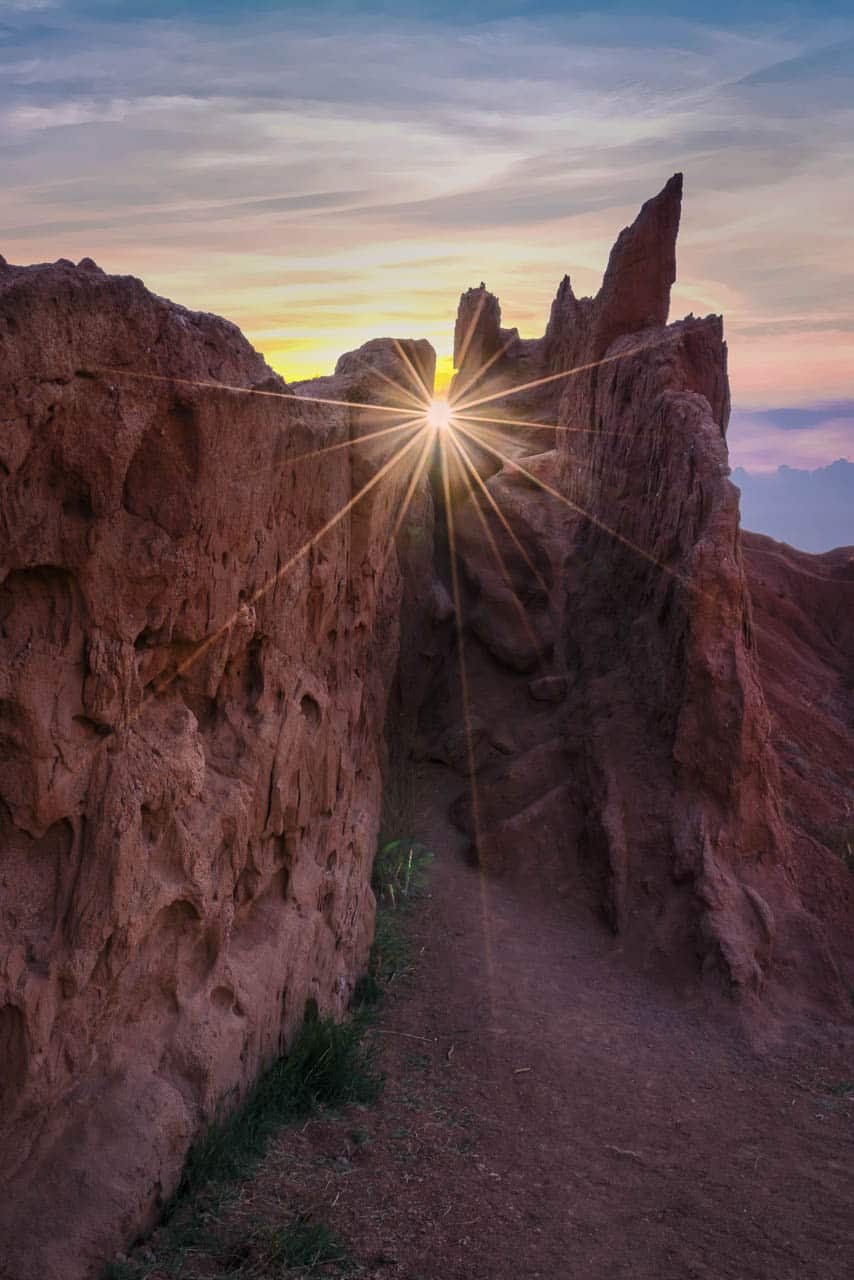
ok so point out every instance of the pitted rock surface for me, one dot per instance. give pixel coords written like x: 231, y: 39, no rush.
x: 191, y: 728
x: 649, y: 782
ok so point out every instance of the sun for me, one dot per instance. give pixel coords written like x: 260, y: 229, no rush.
x: 439, y: 414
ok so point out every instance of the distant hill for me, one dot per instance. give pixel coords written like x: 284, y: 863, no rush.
x: 812, y: 510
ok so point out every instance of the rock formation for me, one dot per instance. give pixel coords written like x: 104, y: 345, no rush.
x: 191, y: 731
x: 802, y: 605
x: 623, y: 749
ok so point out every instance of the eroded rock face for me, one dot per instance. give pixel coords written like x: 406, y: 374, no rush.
x: 801, y: 607
x: 191, y: 733
x: 627, y: 756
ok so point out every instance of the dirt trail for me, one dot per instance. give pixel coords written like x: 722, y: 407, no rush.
x: 619, y: 1131
x: 549, y: 1112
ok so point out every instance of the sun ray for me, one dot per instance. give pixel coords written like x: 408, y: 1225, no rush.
x: 467, y: 725
x: 484, y: 368
x: 286, y: 567
x: 482, y: 437
x: 554, y: 377
x: 496, y: 550
x: 417, y: 420
x: 413, y: 484
x: 682, y: 578
x: 457, y: 597
x: 246, y: 391
x: 398, y: 386
x: 414, y: 373
x: 499, y: 513
x: 481, y: 433
x: 163, y: 684
x: 573, y: 506
x: 404, y: 506
x: 469, y: 334
x: 534, y: 426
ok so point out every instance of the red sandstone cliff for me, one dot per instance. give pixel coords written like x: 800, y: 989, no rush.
x: 624, y: 750
x: 802, y: 607
x: 187, y: 828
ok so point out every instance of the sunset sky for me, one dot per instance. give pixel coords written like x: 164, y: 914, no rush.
x: 324, y: 174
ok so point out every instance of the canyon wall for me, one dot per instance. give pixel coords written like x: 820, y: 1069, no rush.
x: 192, y: 702
x: 624, y: 753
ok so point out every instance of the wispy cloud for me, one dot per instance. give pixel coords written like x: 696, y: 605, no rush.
x: 10, y: 8
x: 306, y: 167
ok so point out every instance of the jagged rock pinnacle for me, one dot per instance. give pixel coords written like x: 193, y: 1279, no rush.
x: 635, y: 292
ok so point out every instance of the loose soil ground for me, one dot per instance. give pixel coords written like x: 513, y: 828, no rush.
x: 550, y: 1112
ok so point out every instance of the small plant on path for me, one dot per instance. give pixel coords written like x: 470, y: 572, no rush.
x: 401, y: 870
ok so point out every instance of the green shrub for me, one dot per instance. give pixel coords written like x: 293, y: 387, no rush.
x: 401, y: 870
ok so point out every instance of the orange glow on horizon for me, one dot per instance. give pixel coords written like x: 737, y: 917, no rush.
x: 444, y: 374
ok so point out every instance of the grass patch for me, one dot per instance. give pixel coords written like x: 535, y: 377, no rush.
x: 310, y: 1244
x: 400, y: 875
x: 401, y: 870
x: 302, y: 1247
x: 327, y: 1066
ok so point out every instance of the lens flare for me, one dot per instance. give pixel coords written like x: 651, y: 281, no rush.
x: 439, y: 414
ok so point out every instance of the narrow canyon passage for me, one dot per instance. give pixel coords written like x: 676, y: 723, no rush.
x: 551, y: 1113
x: 231, y: 609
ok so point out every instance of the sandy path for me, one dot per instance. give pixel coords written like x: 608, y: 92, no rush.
x: 550, y: 1113
x: 621, y: 1131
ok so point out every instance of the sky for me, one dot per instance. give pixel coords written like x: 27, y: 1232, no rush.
x: 323, y: 174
